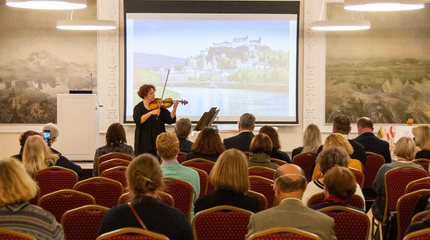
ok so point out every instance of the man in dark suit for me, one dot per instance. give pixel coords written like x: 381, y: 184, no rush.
x: 370, y: 142
x: 289, y: 187
x: 243, y: 139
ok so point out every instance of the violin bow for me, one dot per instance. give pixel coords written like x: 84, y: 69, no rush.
x: 165, y: 83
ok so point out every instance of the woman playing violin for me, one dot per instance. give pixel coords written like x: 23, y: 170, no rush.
x: 150, y: 122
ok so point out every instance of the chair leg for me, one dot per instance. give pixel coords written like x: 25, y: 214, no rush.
x: 378, y: 224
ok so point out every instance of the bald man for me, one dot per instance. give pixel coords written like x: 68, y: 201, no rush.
x: 290, y: 183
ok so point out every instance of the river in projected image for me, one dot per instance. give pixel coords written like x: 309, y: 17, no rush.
x: 234, y: 102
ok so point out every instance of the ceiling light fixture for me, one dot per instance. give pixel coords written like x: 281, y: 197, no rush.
x: 383, y: 5
x: 48, y: 4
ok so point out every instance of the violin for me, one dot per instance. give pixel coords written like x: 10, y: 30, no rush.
x: 166, y: 103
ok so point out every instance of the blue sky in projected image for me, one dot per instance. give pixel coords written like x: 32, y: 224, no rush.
x: 182, y: 38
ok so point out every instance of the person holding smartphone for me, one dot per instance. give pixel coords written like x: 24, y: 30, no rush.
x: 50, y: 134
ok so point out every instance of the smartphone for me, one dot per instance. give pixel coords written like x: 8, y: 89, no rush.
x: 47, y: 136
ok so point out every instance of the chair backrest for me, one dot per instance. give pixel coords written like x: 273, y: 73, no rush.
x: 131, y: 233
x: 349, y: 224
x: 395, y: 181
x: 204, y: 180
x: 283, y: 233
x: 355, y: 200
x: 405, y: 207
x: 247, y: 153
x: 115, y: 162
x: 105, y: 191
x: 61, y: 201
x: 116, y: 173
x: 83, y: 222
x: 55, y: 178
x: 277, y: 161
x: 113, y: 155
x: 264, y: 186
x: 221, y: 222
x: 419, y: 217
x: 316, y: 199
x: 261, y: 199
x: 373, y: 163
x: 418, y: 235
x: 424, y: 162
x: 261, y: 171
x: 36, y: 198
x: 181, y: 157
x: 182, y: 193
x: 359, y: 176
x: 200, y: 163
x: 9, y: 234
x: 305, y: 161
x: 162, y: 197
x: 422, y: 183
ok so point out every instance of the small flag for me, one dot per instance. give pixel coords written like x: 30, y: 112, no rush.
x: 380, y: 133
x: 389, y: 133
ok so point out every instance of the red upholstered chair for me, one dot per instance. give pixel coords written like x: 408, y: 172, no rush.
x: 373, y: 163
x: 112, y: 163
x: 305, y: 161
x: 405, y: 207
x: 181, y: 157
x: 247, y: 153
x: 359, y: 176
x: 283, y: 233
x: 132, y: 234
x: 204, y: 180
x: 395, y: 181
x: 277, y: 161
x: 355, y: 200
x: 423, y: 234
x: 316, y: 199
x: 116, y: 173
x: 420, y: 216
x: 424, y: 162
x: 182, y: 192
x: 221, y: 222
x: 349, y: 224
x: 261, y: 199
x: 113, y: 155
x: 162, y: 197
x: 205, y: 165
x: 105, y: 191
x: 261, y: 171
x: 264, y: 186
x: 36, y: 198
x: 83, y: 222
x: 55, y: 178
x: 422, y: 183
x: 9, y: 234
x: 61, y: 201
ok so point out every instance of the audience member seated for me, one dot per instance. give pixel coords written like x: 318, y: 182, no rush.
x: 261, y: 147
x: 144, y: 178
x: 243, y: 139
x: 115, y: 142
x: 405, y: 151
x: 16, y: 189
x: 311, y: 141
x: 422, y: 140
x: 168, y: 149
x: 182, y: 130
x: 208, y: 145
x: 419, y: 225
x: 62, y: 161
x: 290, y: 183
x: 22, y: 140
x: 37, y: 155
x: 230, y: 178
x: 423, y: 204
x: 370, y: 142
x: 327, y: 159
x: 276, y: 152
x: 339, y: 185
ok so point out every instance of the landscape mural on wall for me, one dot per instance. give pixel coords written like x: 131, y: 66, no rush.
x: 382, y: 73
x: 38, y: 61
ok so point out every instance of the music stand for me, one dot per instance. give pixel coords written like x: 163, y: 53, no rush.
x: 207, y: 119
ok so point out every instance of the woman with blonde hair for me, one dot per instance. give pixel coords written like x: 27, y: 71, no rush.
x: 276, y: 152
x: 208, y: 145
x: 422, y: 140
x: 144, y: 177
x: 16, y: 189
x: 230, y: 178
x: 37, y: 155
x: 311, y: 140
